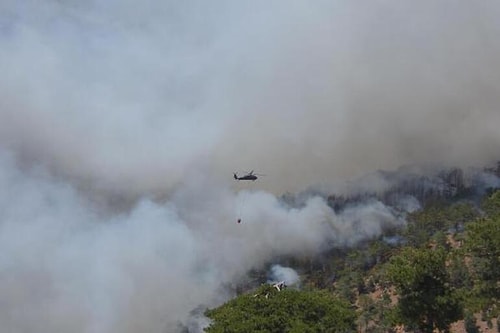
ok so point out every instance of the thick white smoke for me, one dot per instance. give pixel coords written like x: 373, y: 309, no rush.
x: 63, y: 268
x: 121, y: 123
x: 131, y: 97
x: 66, y: 267
x: 288, y: 275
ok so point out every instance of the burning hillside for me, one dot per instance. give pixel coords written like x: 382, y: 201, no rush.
x: 121, y: 125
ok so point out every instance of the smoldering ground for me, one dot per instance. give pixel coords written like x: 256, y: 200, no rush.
x: 158, y: 103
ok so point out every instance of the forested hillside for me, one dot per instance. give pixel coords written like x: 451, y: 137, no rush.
x: 438, y: 272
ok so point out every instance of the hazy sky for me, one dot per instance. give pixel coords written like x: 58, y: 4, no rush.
x: 113, y: 104
x: 136, y: 96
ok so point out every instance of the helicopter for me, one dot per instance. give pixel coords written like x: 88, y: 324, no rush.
x: 249, y: 176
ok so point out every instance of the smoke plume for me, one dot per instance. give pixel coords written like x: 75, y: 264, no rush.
x: 66, y: 266
x: 288, y: 275
x: 121, y: 124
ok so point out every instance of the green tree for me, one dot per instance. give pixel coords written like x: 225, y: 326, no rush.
x: 482, y: 246
x: 426, y: 300
x: 375, y: 315
x: 289, y: 310
x: 458, y: 271
x: 423, y: 224
x: 491, y: 205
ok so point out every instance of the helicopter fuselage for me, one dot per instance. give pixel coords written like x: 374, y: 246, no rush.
x: 246, y: 177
